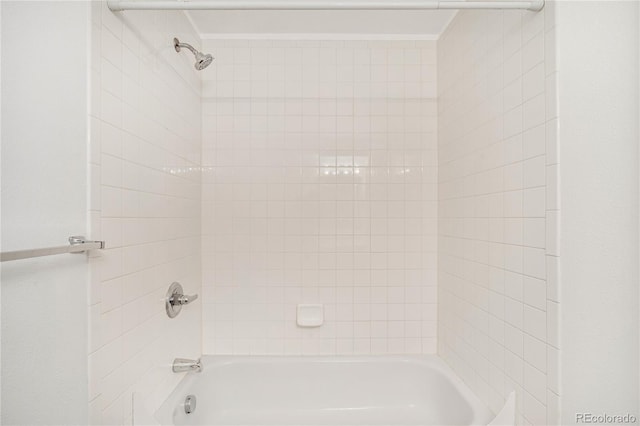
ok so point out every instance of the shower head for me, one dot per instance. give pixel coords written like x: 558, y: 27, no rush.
x: 202, y: 60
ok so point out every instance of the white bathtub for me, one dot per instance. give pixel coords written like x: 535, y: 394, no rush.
x: 418, y: 390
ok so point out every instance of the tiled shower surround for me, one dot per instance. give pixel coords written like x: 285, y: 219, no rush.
x: 407, y: 186
x: 498, y: 298
x: 320, y: 186
x: 145, y: 202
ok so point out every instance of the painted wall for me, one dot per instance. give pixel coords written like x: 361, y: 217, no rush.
x: 0, y: 210
x: 145, y: 143
x: 597, y: 54
x: 319, y: 165
x: 497, y: 204
x: 320, y: 24
x: 44, y: 105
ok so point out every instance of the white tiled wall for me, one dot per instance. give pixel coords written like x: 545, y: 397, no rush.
x: 145, y: 140
x: 497, y: 208
x: 319, y: 186
x: 326, y: 167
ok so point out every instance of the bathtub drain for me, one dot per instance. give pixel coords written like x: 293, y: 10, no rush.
x: 190, y: 404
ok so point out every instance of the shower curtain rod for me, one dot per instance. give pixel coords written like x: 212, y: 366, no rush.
x: 121, y: 5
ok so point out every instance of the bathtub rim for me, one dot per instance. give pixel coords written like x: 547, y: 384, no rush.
x: 482, y: 415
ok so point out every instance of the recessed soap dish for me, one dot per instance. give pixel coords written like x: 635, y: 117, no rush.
x: 310, y: 315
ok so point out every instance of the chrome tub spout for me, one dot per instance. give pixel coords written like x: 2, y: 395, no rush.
x: 182, y: 365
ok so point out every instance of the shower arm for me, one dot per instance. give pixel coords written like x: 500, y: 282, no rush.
x: 121, y: 5
x: 179, y: 45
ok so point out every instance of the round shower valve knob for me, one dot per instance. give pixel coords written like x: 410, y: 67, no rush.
x: 176, y: 299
